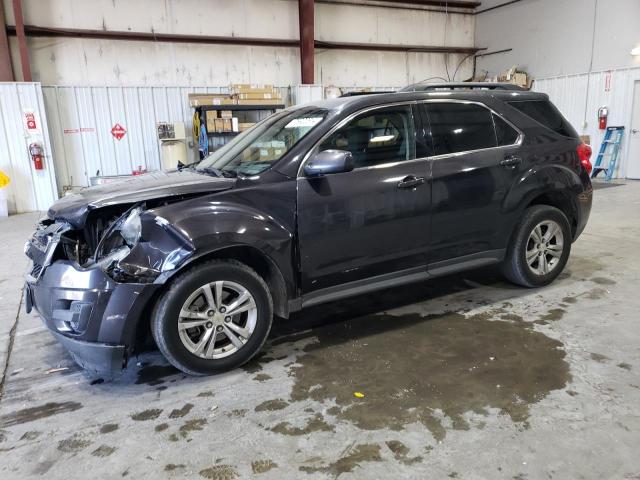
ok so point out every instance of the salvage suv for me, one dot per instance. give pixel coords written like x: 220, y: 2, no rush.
x: 316, y: 203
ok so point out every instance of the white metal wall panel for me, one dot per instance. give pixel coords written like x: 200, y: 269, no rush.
x: 579, y: 96
x: 30, y: 189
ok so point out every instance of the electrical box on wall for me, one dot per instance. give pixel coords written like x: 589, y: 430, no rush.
x: 173, y: 141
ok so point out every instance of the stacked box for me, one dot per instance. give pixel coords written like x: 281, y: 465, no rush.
x: 248, y: 94
x: 211, y: 116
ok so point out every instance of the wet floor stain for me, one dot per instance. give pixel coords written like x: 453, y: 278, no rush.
x: 155, y: 374
x: 238, y: 412
x: 103, y: 451
x: 73, y: 444
x: 603, y: 281
x: 348, y: 462
x: 161, y: 427
x: 262, y: 377
x: 192, y: 426
x: 271, y: 405
x: 467, y: 364
x: 181, y: 412
x: 600, y: 358
x: 263, y: 466
x: 108, y: 428
x: 314, y: 424
x: 150, y: 414
x: 36, y: 413
x: 219, y: 472
x: 401, y: 452
x: 551, y: 316
x: 170, y: 467
x: 624, y: 366
x: 206, y: 394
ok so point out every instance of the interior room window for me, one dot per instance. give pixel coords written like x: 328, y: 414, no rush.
x: 460, y: 127
x: 505, y: 133
x: 379, y: 136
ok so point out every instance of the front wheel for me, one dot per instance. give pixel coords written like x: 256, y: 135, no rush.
x: 540, y: 247
x: 215, y: 317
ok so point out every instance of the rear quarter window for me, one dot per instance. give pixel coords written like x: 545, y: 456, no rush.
x: 545, y: 113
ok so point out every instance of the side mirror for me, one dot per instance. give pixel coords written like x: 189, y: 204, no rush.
x: 329, y: 161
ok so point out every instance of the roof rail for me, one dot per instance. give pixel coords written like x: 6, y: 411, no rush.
x: 356, y: 94
x: 423, y: 87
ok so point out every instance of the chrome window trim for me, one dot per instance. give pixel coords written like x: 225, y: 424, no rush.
x: 346, y: 120
x: 517, y: 143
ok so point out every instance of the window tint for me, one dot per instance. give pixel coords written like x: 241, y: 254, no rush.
x: 380, y: 136
x: 506, y: 134
x: 460, y: 127
x: 543, y: 111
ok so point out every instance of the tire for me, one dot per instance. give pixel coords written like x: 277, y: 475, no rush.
x: 189, y: 302
x: 524, y: 245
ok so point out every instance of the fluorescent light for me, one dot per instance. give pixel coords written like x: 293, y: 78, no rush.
x: 635, y: 52
x: 382, y: 138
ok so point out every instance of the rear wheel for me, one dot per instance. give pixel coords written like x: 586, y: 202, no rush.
x: 214, y: 318
x: 540, y: 247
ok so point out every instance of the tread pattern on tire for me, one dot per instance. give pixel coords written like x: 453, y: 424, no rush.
x: 513, y: 267
x: 159, y: 309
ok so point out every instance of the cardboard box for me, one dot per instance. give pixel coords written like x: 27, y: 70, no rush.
x: 226, y: 114
x: 251, y: 88
x: 273, y: 101
x: 585, y: 139
x: 211, y: 116
x: 257, y: 96
x: 245, y: 126
x: 226, y: 125
x: 205, y: 99
x: 219, y: 125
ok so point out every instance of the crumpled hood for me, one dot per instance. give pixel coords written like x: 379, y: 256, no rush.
x: 74, y: 208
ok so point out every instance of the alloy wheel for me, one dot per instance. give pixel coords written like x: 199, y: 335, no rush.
x: 217, y: 319
x: 544, y: 247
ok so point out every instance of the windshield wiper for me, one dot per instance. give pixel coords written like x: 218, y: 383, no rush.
x: 182, y: 166
x: 210, y: 171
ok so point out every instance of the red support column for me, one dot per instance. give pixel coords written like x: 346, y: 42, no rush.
x: 306, y: 22
x: 6, y: 70
x: 22, y: 41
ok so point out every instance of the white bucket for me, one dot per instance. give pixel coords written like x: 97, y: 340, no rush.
x: 4, y: 207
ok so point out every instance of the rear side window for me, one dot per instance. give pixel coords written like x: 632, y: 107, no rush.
x: 505, y: 133
x: 543, y: 112
x: 460, y: 127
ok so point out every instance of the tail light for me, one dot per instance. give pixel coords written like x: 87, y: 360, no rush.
x: 584, y: 154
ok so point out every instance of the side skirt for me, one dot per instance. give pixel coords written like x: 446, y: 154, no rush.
x: 395, y: 279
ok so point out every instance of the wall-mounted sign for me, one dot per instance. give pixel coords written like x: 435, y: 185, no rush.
x: 607, y: 81
x: 118, y: 131
x: 31, y: 121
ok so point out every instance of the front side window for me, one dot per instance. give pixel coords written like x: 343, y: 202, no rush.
x: 380, y: 136
x: 258, y: 148
x: 460, y: 127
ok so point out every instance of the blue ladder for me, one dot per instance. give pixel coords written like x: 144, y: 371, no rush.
x: 609, y: 148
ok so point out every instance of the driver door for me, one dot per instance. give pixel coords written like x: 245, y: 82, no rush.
x: 373, y: 220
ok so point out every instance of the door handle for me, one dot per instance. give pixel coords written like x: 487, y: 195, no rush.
x: 510, y: 161
x: 411, y: 181
x: 634, y: 131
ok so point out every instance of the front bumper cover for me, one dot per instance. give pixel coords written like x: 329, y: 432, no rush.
x: 91, y: 315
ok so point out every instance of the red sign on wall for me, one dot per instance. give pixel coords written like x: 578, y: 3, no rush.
x: 118, y: 131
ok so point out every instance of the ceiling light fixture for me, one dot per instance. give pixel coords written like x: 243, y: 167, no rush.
x: 636, y: 52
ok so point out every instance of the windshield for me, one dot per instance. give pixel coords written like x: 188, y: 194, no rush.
x: 257, y: 149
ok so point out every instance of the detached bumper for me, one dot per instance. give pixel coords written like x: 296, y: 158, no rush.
x: 90, y: 314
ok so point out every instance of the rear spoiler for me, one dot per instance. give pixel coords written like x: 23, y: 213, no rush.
x: 425, y: 87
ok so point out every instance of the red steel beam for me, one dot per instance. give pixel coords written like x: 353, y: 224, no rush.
x: 6, y: 70
x: 306, y: 23
x: 22, y: 41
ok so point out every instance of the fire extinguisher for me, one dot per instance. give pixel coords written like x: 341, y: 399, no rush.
x: 35, y: 150
x: 603, y: 113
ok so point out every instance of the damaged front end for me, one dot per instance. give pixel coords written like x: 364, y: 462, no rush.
x: 92, y: 284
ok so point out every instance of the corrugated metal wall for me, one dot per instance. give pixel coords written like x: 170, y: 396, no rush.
x: 81, y: 119
x: 30, y: 189
x: 579, y: 96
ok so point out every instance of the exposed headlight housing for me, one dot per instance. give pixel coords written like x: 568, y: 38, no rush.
x: 132, y: 227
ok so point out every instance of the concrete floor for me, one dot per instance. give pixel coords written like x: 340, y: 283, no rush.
x: 463, y: 377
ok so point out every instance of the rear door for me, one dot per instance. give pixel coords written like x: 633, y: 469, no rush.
x: 373, y: 220
x: 474, y: 164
